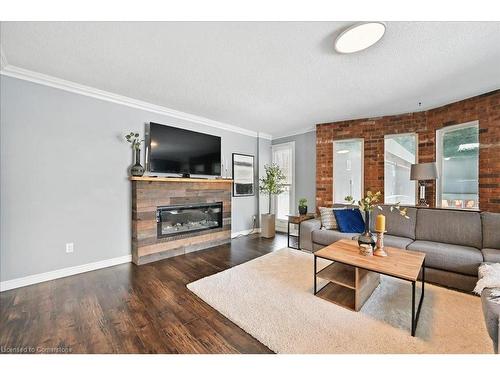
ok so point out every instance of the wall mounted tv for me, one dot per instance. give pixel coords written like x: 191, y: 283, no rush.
x: 180, y: 151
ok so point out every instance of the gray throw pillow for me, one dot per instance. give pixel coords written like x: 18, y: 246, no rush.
x: 327, y: 218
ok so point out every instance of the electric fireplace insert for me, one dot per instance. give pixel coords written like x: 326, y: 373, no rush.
x: 181, y: 219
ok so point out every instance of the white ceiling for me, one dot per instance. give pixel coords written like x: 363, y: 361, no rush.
x: 273, y: 77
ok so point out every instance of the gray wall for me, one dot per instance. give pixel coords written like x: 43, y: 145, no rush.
x: 63, y: 177
x: 305, y: 166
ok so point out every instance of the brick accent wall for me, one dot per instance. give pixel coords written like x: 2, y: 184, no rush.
x: 485, y: 108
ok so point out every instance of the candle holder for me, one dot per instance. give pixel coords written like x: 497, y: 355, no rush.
x: 379, y: 245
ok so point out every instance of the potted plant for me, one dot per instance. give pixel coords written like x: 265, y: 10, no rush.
x: 367, y: 204
x: 302, y: 206
x: 271, y: 184
x: 137, y: 169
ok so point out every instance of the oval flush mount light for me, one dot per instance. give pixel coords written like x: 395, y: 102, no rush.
x: 359, y: 37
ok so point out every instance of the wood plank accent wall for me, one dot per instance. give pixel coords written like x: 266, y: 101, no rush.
x: 148, y: 194
x: 485, y: 108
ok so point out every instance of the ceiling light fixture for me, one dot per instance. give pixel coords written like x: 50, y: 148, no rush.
x: 359, y: 37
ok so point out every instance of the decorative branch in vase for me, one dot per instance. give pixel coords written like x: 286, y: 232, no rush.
x: 134, y: 138
x: 367, y: 204
x: 272, y: 184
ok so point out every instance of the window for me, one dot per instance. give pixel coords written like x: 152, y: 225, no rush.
x: 457, y: 156
x: 400, y: 152
x: 347, y: 169
x: 283, y: 155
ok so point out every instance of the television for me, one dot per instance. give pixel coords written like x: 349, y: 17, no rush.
x: 180, y: 151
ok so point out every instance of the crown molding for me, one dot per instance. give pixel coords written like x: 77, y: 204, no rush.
x: 307, y: 130
x: 3, y: 58
x: 265, y: 136
x: 44, y: 79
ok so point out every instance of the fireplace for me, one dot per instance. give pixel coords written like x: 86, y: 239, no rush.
x: 181, y: 219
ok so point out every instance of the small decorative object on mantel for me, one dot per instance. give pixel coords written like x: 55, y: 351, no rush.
x: 137, y: 170
x: 302, y: 206
x: 368, y: 204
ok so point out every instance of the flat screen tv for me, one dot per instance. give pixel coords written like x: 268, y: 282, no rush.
x: 180, y: 151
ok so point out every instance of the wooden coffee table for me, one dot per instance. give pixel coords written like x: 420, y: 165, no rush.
x: 353, y: 277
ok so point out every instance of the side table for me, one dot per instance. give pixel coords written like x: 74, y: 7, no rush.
x: 297, y: 219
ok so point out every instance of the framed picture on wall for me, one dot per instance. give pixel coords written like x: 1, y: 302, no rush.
x: 243, y: 175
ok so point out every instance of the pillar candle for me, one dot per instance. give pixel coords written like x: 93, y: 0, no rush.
x: 380, y: 223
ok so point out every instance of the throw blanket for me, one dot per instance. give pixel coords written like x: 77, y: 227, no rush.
x: 489, y: 277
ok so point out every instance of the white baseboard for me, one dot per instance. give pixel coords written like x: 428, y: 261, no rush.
x: 51, y: 275
x: 57, y: 274
x: 244, y: 232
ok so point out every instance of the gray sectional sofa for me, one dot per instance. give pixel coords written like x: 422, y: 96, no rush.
x: 455, y: 242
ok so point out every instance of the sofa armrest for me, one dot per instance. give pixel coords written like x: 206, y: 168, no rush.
x: 491, y: 312
x: 306, y: 229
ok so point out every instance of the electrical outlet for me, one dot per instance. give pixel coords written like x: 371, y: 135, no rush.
x: 69, y: 247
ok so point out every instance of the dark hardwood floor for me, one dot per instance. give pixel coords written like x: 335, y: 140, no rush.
x: 131, y: 309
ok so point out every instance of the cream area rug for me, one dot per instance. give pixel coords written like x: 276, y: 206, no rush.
x: 271, y: 298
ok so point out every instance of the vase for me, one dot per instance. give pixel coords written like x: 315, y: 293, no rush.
x: 302, y: 210
x: 137, y: 169
x: 367, y: 237
x: 267, y: 225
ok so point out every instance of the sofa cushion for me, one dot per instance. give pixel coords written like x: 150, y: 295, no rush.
x: 491, y: 255
x: 349, y: 220
x: 397, y: 242
x: 327, y: 237
x: 449, y: 226
x: 491, y: 230
x: 327, y: 218
x: 396, y: 224
x: 443, y: 256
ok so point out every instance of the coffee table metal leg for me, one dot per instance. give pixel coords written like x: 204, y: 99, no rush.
x: 288, y: 235
x: 414, y: 318
x: 315, y: 275
x: 413, y: 308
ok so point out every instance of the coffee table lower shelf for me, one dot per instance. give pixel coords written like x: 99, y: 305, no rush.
x: 348, y: 286
x: 339, y: 294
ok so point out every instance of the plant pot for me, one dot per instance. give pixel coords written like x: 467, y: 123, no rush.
x: 367, y: 237
x: 302, y: 210
x: 267, y: 225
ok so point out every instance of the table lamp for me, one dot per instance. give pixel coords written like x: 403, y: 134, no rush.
x: 423, y: 172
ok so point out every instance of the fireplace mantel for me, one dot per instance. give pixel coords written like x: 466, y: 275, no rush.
x: 180, y: 179
x: 151, y: 193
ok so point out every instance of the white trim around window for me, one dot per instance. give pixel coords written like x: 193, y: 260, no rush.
x: 362, y: 170
x: 439, y: 156
x: 392, y: 136
x: 281, y: 225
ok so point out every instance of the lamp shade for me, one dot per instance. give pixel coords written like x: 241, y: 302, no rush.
x: 423, y: 171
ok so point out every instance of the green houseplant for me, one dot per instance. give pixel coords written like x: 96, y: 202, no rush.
x: 302, y: 206
x: 273, y: 183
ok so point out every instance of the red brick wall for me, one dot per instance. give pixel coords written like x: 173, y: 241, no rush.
x: 485, y: 108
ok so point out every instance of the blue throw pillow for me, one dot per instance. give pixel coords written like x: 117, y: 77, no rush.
x: 349, y: 220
